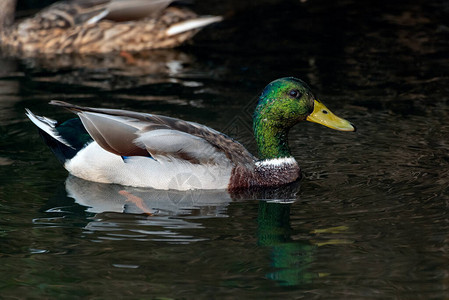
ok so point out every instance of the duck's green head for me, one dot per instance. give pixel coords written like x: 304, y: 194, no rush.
x: 282, y: 104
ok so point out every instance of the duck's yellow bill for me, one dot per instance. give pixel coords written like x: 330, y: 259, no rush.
x: 322, y: 115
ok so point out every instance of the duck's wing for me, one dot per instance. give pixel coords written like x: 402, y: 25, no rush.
x: 126, y: 10
x: 65, y: 14
x: 128, y: 133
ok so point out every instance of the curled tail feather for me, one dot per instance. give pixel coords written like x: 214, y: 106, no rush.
x: 59, y: 137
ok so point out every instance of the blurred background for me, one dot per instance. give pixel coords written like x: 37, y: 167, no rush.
x: 368, y: 220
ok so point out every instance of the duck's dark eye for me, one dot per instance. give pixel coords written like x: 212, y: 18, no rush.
x: 294, y: 94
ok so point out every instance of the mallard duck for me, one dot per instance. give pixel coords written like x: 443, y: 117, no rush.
x: 100, y: 26
x: 146, y: 150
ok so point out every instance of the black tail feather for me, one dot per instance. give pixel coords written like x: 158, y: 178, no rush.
x: 61, y: 151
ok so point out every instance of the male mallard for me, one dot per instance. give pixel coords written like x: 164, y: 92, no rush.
x: 145, y: 150
x: 100, y: 26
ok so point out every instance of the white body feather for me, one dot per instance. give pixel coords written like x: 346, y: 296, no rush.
x: 96, y: 164
x: 192, y: 24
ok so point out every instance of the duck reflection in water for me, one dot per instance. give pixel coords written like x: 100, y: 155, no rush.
x: 172, y: 210
x: 116, y: 71
x: 290, y: 259
x: 143, y: 213
x: 100, y: 198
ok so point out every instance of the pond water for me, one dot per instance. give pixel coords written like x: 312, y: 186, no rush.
x: 368, y: 220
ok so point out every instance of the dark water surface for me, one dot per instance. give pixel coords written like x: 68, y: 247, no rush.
x: 369, y: 220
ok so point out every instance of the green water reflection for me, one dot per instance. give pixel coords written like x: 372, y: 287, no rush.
x: 290, y: 259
